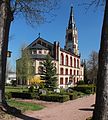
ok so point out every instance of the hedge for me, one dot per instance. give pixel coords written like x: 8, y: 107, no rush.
x: 54, y: 97
x: 87, y: 89
x: 23, y: 95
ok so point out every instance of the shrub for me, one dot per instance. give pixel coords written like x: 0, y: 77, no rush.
x: 81, y: 82
x: 31, y: 89
x: 55, y: 98
x: 22, y: 95
x: 87, y: 89
x: 8, y: 95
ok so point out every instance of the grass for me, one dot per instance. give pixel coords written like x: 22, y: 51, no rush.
x: 24, y: 106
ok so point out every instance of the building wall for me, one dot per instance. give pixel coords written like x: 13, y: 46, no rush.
x: 69, y: 69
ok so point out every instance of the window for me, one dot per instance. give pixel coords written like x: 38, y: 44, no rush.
x: 74, y: 62
x: 40, y: 70
x: 40, y: 52
x: 70, y: 71
x: 39, y: 42
x: 43, y: 44
x: 34, y: 45
x: 61, y: 71
x: 74, y: 72
x: 66, y: 81
x: 78, y: 63
x: 62, y: 59
x: 77, y: 72
x: 70, y: 61
x: 45, y: 52
x: 74, y: 81
x: 66, y: 71
x: 34, y: 52
x: 66, y: 60
x: 61, y: 81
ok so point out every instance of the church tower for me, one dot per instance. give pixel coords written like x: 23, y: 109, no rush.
x: 71, y: 43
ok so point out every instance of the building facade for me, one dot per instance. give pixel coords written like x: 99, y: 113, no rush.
x: 67, y: 60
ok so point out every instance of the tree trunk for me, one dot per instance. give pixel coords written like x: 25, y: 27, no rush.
x: 5, y: 21
x: 101, y: 103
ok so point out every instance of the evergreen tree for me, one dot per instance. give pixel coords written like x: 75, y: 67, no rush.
x: 49, y: 73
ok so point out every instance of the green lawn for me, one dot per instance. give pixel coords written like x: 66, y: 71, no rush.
x: 24, y: 106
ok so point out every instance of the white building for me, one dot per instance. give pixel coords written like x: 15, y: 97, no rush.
x: 10, y: 76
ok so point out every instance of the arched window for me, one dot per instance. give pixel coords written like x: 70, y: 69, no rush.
x: 61, y: 71
x: 74, y: 62
x: 40, y: 70
x: 71, y: 61
x: 78, y: 63
x: 66, y: 71
x: 74, y: 72
x: 67, y: 60
x: 66, y: 81
x: 62, y: 59
x: 61, y: 81
x: 77, y: 72
x: 70, y: 71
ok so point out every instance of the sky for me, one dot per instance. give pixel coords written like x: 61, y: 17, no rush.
x: 89, y: 24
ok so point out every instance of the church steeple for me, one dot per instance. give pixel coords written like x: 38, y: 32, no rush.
x: 71, y: 23
x: 71, y: 35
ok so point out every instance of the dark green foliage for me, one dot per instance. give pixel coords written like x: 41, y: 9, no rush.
x: 21, y: 95
x: 31, y: 89
x: 49, y: 73
x: 87, y: 89
x: 81, y: 82
x: 8, y: 95
x: 55, y: 98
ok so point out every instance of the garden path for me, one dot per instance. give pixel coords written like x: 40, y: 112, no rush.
x: 78, y: 109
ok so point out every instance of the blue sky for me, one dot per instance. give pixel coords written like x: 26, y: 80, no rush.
x: 88, y: 24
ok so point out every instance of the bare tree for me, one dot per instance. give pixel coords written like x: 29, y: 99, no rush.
x: 34, y: 11
x: 92, y: 66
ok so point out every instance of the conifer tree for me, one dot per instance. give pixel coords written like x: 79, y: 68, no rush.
x: 49, y: 73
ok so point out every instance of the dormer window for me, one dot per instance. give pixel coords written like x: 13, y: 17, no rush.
x: 34, y: 52
x: 39, y: 42
x: 40, y: 52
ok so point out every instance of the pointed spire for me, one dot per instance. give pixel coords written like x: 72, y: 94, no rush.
x: 71, y: 23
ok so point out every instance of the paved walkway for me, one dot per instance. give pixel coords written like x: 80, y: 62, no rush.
x: 78, y: 109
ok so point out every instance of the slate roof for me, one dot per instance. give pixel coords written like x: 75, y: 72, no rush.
x: 38, y: 46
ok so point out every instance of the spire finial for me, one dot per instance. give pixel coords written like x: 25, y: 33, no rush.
x: 39, y: 35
